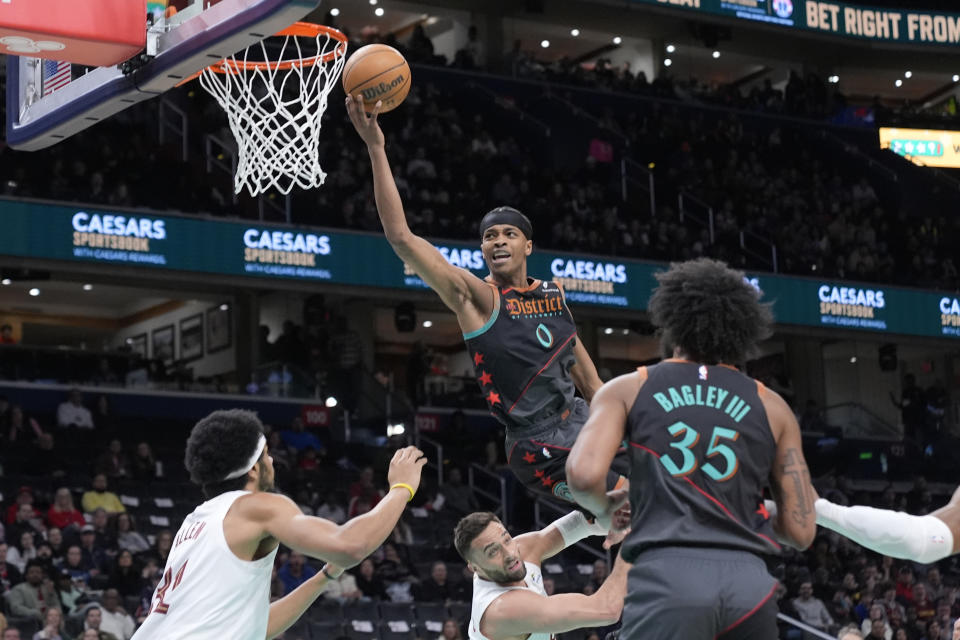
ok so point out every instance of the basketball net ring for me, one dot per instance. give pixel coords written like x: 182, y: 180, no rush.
x: 274, y: 106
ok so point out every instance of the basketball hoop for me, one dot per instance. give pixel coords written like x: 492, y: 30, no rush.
x: 275, y: 103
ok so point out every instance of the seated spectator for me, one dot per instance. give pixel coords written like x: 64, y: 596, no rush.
x: 343, y: 589
x: 397, y: 573
x: 10, y: 576
x: 370, y: 584
x: 933, y: 631
x: 876, y: 613
x: 24, y: 496
x: 365, y: 489
x: 10, y: 633
x: 451, y: 630
x: 926, y: 608
x: 298, y: 438
x: 94, y: 555
x: 332, y: 508
x: 27, y: 520
x: 152, y: 575
x: 127, y: 536
x: 113, y: 618
x: 99, y: 497
x: 162, y: 546
x: 600, y: 573
x: 92, y: 621
x: 113, y: 462
x: 73, y: 563
x: 891, y: 605
x: 55, y: 540
x: 295, y: 571
x: 52, y: 626
x: 143, y: 467
x: 435, y: 588
x: 91, y: 634
x: 20, y: 430
x: 67, y: 591
x: 6, y: 334
x: 309, y: 460
x: 32, y: 597
x: 102, y: 529
x: 934, y: 583
x: 21, y: 553
x: 62, y: 513
x: 811, y: 610
x: 72, y: 413
x: 125, y: 577
x: 105, y: 375
x: 849, y: 632
x: 458, y: 497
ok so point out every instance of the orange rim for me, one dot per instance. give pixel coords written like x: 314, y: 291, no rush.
x: 299, y: 29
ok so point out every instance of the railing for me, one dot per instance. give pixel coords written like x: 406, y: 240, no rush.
x: 437, y: 449
x: 806, y: 630
x: 540, y: 522
x: 759, y: 247
x: 853, y: 150
x: 628, y: 167
x: 856, y: 421
x: 583, y: 114
x: 705, y: 218
x: 523, y: 115
x: 216, y: 150
x: 493, y: 482
x: 179, y: 127
x: 283, y: 380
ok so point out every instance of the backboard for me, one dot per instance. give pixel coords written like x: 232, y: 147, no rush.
x: 177, y: 46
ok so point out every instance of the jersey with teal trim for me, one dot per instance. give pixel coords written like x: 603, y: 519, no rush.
x: 523, y: 355
x: 701, y: 451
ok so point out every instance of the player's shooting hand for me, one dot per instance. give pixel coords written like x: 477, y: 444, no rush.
x: 365, y: 125
x: 406, y: 466
x: 616, y: 517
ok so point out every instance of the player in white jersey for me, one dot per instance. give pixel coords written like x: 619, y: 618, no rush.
x: 509, y: 601
x: 216, y: 583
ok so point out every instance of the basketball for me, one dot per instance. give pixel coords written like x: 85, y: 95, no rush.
x: 377, y: 72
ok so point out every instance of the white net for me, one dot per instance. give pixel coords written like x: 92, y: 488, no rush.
x: 275, y: 108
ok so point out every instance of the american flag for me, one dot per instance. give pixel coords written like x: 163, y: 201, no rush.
x: 56, y: 75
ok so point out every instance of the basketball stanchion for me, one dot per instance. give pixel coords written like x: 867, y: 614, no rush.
x: 275, y: 96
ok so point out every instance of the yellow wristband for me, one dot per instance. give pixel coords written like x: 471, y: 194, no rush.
x: 404, y: 485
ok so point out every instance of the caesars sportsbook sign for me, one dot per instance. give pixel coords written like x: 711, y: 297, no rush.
x: 913, y: 27
x: 147, y: 242
x: 925, y: 147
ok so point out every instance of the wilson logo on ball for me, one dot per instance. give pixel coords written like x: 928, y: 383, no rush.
x: 370, y: 93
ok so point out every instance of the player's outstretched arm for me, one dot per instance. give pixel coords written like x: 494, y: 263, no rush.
x: 288, y: 609
x: 348, y: 544
x: 597, y: 444
x: 456, y: 287
x: 795, y: 522
x: 537, y: 546
x: 520, y: 611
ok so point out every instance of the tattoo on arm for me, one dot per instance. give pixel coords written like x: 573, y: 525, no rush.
x: 794, y: 469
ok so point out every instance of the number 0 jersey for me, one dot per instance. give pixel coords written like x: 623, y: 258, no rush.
x: 207, y: 592
x: 701, y: 451
x: 523, y: 355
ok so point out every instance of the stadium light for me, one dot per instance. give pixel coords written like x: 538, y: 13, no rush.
x: 378, y: 11
x: 575, y: 32
x: 373, y: 2
x: 853, y: 359
x: 608, y: 331
x: 908, y: 74
x: 833, y: 79
x: 617, y: 40
x: 671, y: 48
x: 34, y: 292
x: 544, y: 43
x: 330, y: 402
x: 427, y: 324
x: 898, y: 83
x: 87, y: 287
x: 334, y: 12
x: 395, y: 430
x: 716, y: 54
x: 6, y: 281
x: 626, y: 332
x: 667, y: 62
x: 224, y: 307
x: 956, y: 78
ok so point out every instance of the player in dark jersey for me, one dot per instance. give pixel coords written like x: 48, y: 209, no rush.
x: 519, y: 331
x: 704, y: 441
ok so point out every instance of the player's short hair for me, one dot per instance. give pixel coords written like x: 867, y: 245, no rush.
x: 220, y: 444
x: 710, y: 311
x: 469, y: 528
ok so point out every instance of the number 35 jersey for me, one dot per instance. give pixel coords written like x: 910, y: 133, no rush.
x: 208, y: 593
x: 701, y: 452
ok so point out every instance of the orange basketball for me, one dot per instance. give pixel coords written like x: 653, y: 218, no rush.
x: 377, y: 72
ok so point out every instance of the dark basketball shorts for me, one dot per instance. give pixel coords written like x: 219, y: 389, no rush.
x: 539, y: 461
x: 699, y: 594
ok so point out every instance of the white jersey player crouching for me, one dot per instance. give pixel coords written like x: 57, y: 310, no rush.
x: 509, y: 601
x: 216, y: 583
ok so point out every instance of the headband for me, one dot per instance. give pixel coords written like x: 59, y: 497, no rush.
x: 507, y: 215
x: 261, y: 443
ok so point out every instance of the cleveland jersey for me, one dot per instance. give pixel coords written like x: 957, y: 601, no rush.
x: 207, y: 592
x: 485, y: 592
x: 523, y: 355
x: 701, y: 451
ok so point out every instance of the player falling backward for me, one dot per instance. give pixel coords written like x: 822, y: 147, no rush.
x: 216, y: 583
x: 518, y: 330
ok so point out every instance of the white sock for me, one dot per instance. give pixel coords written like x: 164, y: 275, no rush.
x: 923, y: 539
